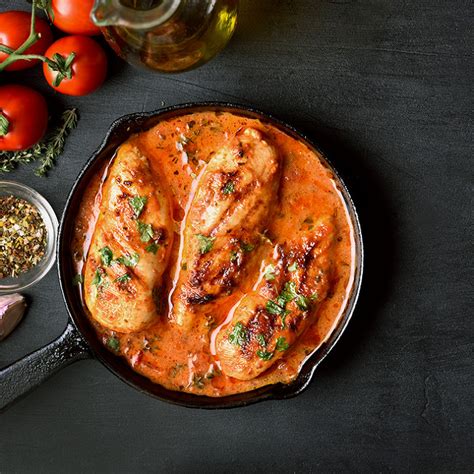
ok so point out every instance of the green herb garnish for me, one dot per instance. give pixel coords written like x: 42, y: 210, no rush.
x: 269, y: 272
x: 113, y: 343
x: 198, y: 381
x: 281, y: 344
x: 152, y: 248
x: 288, y: 294
x: 293, y: 267
x: 129, y: 260
x: 302, y: 302
x: 246, y: 247
x: 98, y: 278
x: 124, y: 278
x: 264, y: 355
x: 261, y: 339
x: 239, y: 335
x: 274, y: 308
x: 137, y: 203
x: 205, y: 243
x: 234, y: 255
x: 106, y: 256
x: 145, y: 230
x: 229, y: 187
x: 289, y: 291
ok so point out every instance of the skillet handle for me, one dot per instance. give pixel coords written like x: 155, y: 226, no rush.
x: 26, y: 374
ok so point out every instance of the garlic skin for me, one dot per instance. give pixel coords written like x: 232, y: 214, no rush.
x: 12, y: 309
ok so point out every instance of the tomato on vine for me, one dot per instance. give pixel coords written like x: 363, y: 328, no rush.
x: 15, y: 30
x: 23, y: 117
x: 75, y: 65
x: 74, y: 16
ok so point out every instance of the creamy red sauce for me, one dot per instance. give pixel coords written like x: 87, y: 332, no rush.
x: 178, y: 149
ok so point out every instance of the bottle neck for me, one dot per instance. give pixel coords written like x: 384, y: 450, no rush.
x: 122, y: 13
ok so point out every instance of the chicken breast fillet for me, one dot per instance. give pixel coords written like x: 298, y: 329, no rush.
x: 295, y: 277
x: 224, y: 221
x: 130, y: 246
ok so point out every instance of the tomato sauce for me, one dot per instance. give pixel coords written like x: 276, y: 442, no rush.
x: 178, y: 149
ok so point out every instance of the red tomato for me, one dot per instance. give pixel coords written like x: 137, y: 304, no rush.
x: 26, y: 115
x: 88, y: 69
x: 73, y: 16
x: 15, y: 29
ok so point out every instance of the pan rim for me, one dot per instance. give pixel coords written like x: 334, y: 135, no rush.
x: 275, y: 391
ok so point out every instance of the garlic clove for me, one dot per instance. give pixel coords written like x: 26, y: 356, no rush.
x: 12, y: 309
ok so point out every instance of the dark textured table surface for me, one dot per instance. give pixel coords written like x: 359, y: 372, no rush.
x: 386, y: 87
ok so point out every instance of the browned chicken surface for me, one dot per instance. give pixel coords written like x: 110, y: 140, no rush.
x: 217, y: 253
x: 130, y: 246
x: 295, y: 276
x: 224, y: 222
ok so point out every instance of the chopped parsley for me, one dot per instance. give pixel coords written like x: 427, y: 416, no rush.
x: 78, y: 279
x: 274, y: 308
x: 98, y: 278
x: 205, y: 243
x: 106, y: 256
x: 239, y: 335
x: 264, y: 355
x: 123, y: 279
x: 129, y: 260
x: 293, y: 267
x: 152, y: 248
x: 246, y: 247
x: 229, y: 187
x: 145, y: 230
x: 261, y: 339
x: 269, y: 272
x: 113, y: 343
x: 198, y: 381
x: 302, y: 302
x: 234, y: 255
x: 281, y: 344
x: 137, y: 203
x: 288, y: 294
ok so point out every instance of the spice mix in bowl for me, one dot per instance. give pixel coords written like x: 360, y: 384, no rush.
x: 28, y: 228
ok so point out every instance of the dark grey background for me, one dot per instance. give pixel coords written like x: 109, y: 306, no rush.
x: 385, y: 86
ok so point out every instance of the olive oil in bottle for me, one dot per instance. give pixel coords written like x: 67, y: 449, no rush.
x: 166, y: 35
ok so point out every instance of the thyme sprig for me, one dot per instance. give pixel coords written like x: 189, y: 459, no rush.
x: 47, y: 150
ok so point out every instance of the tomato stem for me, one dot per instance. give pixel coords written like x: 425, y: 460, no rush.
x: 4, y: 125
x: 31, y: 40
x: 63, y: 67
x: 5, y: 49
x: 59, y: 63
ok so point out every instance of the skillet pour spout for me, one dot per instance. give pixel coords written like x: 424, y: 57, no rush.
x: 80, y: 340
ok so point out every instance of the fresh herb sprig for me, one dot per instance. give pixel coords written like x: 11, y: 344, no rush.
x: 46, y: 151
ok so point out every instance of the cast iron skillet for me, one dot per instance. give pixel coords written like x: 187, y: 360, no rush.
x: 79, y: 340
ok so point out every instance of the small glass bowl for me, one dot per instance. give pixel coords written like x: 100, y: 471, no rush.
x: 35, y: 274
